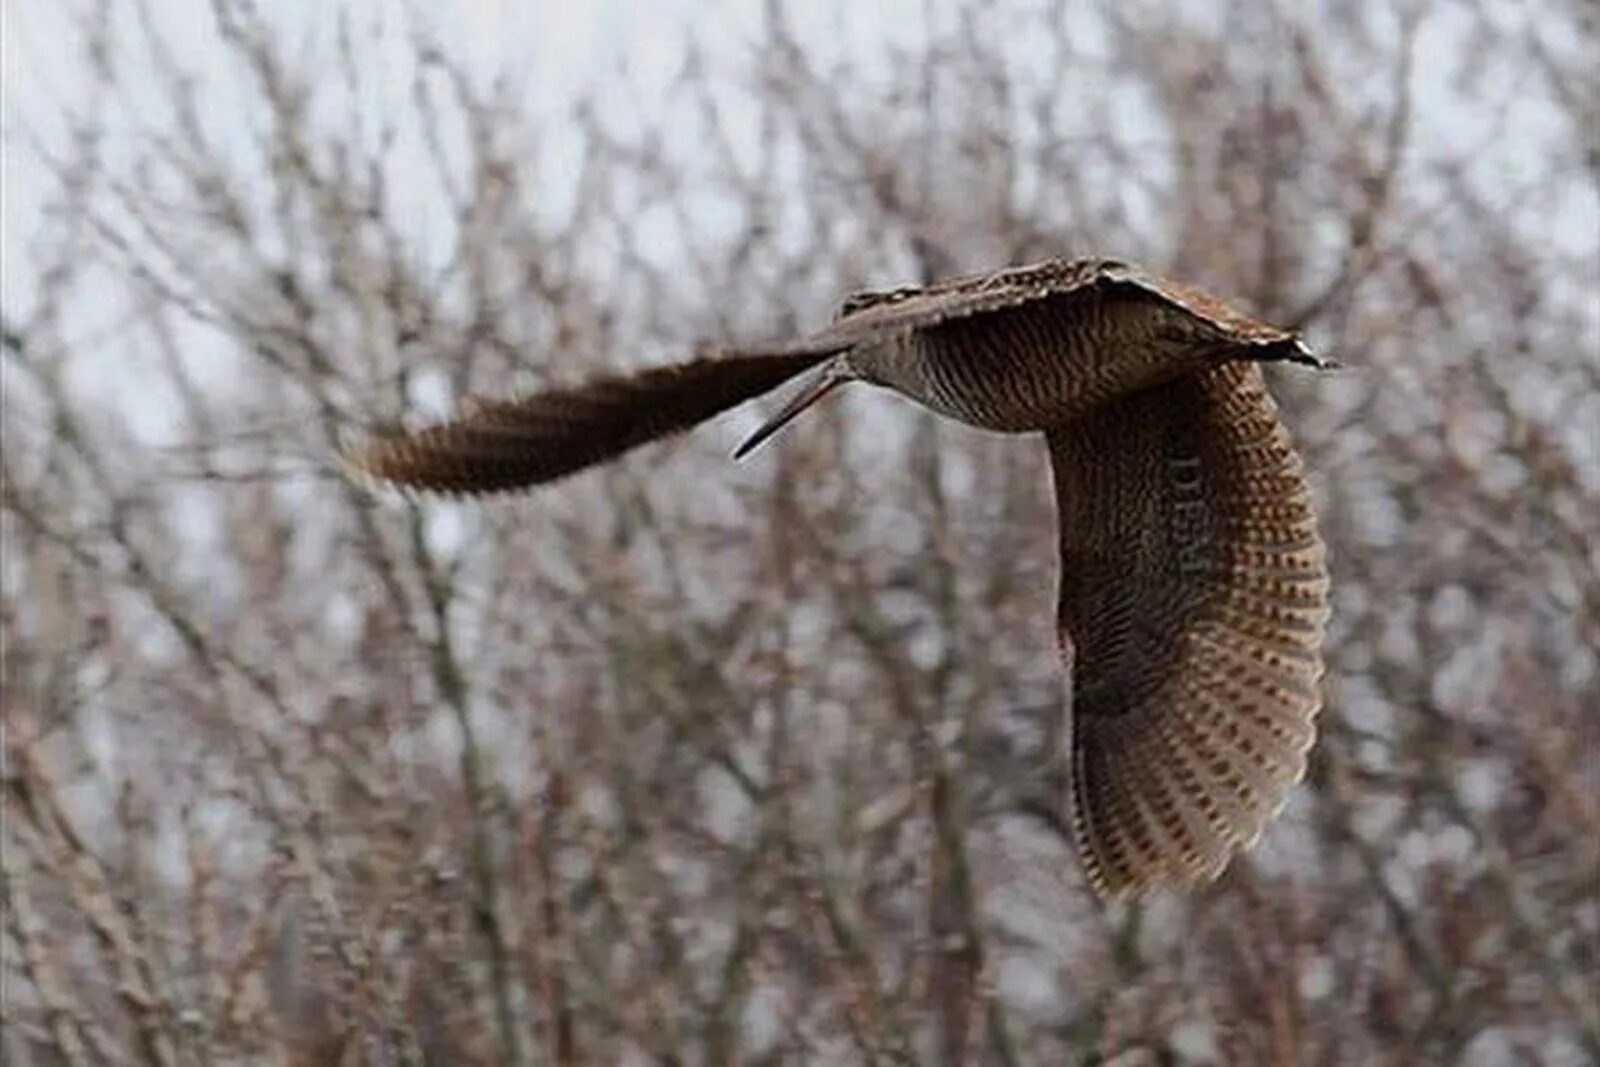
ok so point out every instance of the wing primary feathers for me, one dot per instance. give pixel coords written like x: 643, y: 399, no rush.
x: 1195, y: 613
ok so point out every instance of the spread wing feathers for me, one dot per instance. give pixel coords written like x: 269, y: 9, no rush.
x: 874, y: 313
x: 1193, y: 600
x: 518, y: 443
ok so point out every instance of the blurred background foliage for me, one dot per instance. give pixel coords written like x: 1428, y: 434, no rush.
x: 691, y: 762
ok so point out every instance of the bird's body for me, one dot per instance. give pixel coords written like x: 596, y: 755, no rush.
x: 1193, y: 590
x: 986, y: 370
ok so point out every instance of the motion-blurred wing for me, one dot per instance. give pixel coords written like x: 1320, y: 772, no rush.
x: 515, y: 444
x: 1193, y: 600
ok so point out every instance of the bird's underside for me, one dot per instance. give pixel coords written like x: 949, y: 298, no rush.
x: 1193, y: 590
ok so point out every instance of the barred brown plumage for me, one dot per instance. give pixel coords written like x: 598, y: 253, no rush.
x: 1193, y: 591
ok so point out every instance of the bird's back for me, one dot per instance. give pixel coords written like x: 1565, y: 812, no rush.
x: 1047, y: 344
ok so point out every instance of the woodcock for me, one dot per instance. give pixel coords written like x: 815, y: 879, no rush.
x: 1193, y: 592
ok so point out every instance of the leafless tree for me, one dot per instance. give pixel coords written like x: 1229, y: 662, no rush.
x: 692, y: 762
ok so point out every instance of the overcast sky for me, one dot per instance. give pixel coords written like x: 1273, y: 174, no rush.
x: 550, y: 49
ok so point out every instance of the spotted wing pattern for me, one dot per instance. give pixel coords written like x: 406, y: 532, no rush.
x: 1192, y: 604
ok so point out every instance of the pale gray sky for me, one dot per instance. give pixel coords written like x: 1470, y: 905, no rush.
x: 551, y: 49
x: 548, y: 49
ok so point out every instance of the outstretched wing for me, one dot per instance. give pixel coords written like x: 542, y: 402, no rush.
x: 1193, y: 600
x: 514, y: 444
x: 878, y: 312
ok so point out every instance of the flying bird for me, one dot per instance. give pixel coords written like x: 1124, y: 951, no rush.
x: 1193, y: 589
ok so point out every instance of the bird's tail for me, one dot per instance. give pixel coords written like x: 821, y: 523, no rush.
x: 515, y: 444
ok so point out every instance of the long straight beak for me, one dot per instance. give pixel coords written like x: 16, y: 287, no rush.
x: 822, y: 382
